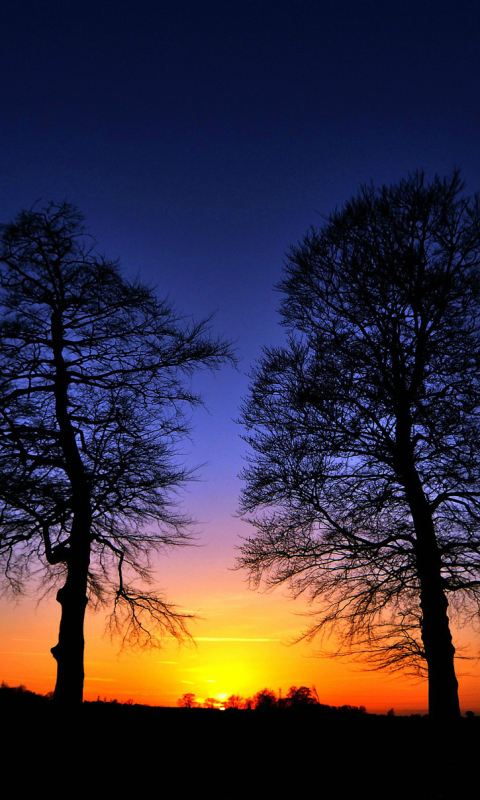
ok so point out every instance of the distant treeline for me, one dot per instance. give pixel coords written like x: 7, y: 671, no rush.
x: 319, y: 749
x: 298, y: 698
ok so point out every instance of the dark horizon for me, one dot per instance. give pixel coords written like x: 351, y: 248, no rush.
x: 201, y: 141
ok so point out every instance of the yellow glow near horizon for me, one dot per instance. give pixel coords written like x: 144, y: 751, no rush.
x: 242, y: 647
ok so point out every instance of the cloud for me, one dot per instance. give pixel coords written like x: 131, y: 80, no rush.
x: 231, y: 639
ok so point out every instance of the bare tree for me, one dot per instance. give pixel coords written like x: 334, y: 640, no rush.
x: 94, y: 395
x: 265, y: 700
x: 235, y: 701
x: 364, y: 481
x: 187, y: 700
x: 299, y: 698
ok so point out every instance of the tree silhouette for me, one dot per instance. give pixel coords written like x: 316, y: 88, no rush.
x: 187, y: 700
x: 265, y: 700
x: 299, y: 698
x: 211, y: 702
x: 235, y: 701
x: 364, y: 483
x: 94, y: 392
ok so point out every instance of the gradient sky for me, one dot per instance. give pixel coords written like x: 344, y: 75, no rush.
x: 200, y: 139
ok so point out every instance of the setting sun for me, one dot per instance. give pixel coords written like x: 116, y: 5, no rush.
x: 240, y: 355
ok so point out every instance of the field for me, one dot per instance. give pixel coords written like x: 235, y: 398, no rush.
x: 112, y: 749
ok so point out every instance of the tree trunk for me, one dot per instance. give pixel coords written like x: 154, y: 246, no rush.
x: 73, y: 595
x: 69, y: 652
x: 436, y: 636
x: 437, y: 639
x: 439, y: 651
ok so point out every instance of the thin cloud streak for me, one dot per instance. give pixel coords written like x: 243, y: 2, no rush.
x: 231, y: 639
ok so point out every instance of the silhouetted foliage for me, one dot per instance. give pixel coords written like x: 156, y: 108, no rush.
x: 265, y: 700
x: 342, y: 740
x: 94, y: 396
x: 234, y: 702
x: 299, y: 698
x: 212, y: 703
x: 187, y: 700
x: 20, y: 697
x: 364, y: 482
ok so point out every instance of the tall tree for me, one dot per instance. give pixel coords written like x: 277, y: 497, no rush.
x: 94, y: 395
x: 364, y: 480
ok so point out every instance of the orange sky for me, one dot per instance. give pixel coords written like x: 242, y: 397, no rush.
x: 199, y: 160
x: 241, y: 647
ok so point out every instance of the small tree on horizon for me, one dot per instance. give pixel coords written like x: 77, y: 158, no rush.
x: 187, y: 700
x: 235, y: 701
x: 299, y: 698
x: 265, y: 700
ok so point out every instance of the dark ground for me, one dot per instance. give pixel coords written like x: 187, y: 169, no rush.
x: 114, y: 750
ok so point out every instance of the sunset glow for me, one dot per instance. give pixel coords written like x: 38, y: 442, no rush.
x: 218, y: 665
x: 201, y: 141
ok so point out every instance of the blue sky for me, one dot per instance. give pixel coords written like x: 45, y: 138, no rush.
x: 202, y: 138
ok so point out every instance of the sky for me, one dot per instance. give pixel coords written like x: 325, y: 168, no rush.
x: 201, y: 139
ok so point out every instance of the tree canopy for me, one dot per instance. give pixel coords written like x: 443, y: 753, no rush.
x: 94, y: 399
x: 363, y: 481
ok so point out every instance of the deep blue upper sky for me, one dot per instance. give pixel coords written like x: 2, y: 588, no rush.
x: 202, y: 138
